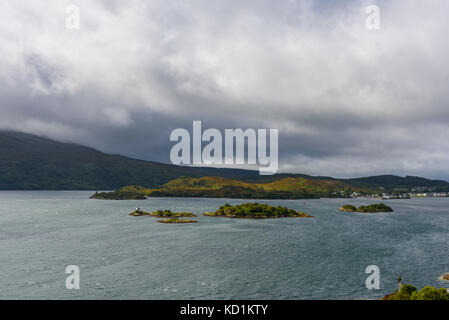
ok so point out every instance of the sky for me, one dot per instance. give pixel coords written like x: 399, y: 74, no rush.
x: 348, y: 101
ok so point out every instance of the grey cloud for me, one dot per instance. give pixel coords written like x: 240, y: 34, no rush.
x: 348, y: 101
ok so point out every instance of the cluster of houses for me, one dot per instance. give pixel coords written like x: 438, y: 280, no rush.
x: 430, y: 194
x: 406, y: 195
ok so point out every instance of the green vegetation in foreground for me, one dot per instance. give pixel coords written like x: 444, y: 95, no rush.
x: 372, y: 208
x: 176, y: 220
x: 256, y: 211
x: 161, y: 214
x: 409, y: 292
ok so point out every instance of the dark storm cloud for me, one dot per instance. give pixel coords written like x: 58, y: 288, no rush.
x: 348, y: 101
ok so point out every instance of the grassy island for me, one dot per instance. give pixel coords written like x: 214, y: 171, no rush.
x: 118, y: 195
x: 256, y: 211
x: 348, y: 208
x: 219, y: 187
x: 138, y: 213
x: 372, y: 208
x: 161, y: 214
x: 176, y: 220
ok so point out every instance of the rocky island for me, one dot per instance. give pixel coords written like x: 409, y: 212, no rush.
x: 176, y: 220
x: 372, y: 208
x: 161, y: 214
x: 256, y: 211
x: 445, y: 277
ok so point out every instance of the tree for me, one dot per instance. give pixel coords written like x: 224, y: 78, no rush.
x: 404, y: 293
x: 443, y: 294
x: 408, y: 289
x: 409, y: 292
x: 430, y: 293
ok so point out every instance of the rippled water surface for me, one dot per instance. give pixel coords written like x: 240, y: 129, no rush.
x: 124, y: 257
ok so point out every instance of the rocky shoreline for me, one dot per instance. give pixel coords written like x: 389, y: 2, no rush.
x: 211, y: 214
x: 161, y: 214
x: 175, y: 220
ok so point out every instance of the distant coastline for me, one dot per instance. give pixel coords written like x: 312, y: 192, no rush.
x: 294, y: 188
x: 59, y: 166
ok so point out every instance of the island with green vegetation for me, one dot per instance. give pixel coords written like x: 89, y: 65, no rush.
x: 348, y: 208
x: 256, y: 211
x: 161, y: 214
x: 372, y: 208
x: 176, y: 220
x: 127, y: 193
x: 273, y: 187
x: 219, y: 187
x: 410, y: 292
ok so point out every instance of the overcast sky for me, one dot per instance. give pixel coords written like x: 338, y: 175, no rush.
x: 348, y: 101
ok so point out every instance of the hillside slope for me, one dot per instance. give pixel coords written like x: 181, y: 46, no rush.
x: 395, y: 183
x: 281, y: 188
x: 32, y: 162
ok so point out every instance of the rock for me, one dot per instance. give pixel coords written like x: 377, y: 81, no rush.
x: 348, y: 208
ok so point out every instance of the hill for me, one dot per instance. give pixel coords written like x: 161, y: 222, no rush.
x: 219, y: 187
x: 395, y: 183
x: 280, y: 188
x: 30, y: 162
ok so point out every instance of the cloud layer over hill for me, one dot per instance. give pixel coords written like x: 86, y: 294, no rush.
x: 348, y: 101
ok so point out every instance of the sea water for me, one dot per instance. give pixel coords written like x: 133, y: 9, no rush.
x: 125, y: 257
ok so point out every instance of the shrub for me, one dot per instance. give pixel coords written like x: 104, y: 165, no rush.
x: 409, y: 292
x: 408, y: 289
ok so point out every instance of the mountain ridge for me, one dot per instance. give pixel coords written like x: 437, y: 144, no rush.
x: 32, y: 162
x: 29, y: 162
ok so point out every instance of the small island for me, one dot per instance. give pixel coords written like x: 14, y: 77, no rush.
x: 372, y: 208
x: 125, y: 193
x: 118, y: 195
x: 176, y: 220
x: 161, y: 214
x: 256, y: 211
x: 445, y: 277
